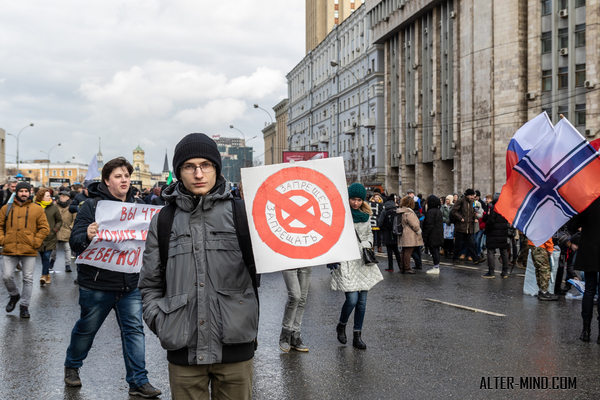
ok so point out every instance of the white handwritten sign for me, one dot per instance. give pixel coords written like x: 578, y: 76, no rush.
x: 121, y: 238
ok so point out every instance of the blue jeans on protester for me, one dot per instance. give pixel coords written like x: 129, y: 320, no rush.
x: 478, y: 242
x: 45, y: 255
x: 95, y: 307
x: 354, y: 300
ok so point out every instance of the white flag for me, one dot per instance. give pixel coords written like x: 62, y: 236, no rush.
x: 92, y: 171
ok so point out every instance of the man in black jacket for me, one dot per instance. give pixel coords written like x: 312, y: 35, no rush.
x: 496, y: 233
x: 7, y: 193
x: 102, y: 290
x: 80, y: 198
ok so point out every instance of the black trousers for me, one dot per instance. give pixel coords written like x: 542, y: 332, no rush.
x: 468, y: 238
x: 591, y: 286
x: 392, y: 249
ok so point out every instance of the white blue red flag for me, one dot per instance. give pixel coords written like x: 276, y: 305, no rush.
x: 525, y: 139
x: 555, y: 180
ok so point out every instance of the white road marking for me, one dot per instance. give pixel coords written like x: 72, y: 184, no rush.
x: 467, y: 308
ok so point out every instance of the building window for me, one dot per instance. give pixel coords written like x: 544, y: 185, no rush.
x: 563, y: 78
x: 546, y: 80
x: 579, y: 3
x: 373, y: 160
x: 546, y: 42
x: 69, y: 173
x: 579, y: 74
x: 564, y: 110
x: 546, y: 7
x: 563, y: 38
x: 46, y: 172
x: 579, y: 114
x: 548, y: 111
x: 62, y: 173
x: 562, y: 4
x: 30, y: 171
x: 54, y: 173
x: 580, y: 35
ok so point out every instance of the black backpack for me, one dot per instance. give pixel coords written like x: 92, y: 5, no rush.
x: 398, y: 229
x: 242, y: 231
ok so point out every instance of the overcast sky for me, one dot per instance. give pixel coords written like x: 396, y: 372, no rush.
x: 141, y: 72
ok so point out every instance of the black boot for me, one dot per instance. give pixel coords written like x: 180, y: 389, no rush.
x: 357, y: 342
x: 25, y: 313
x: 13, y: 302
x: 341, y: 333
x: 585, y: 334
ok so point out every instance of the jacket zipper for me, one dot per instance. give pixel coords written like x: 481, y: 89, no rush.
x: 221, y: 233
x: 97, y: 273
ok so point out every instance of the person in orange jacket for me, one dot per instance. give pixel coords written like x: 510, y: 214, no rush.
x: 541, y: 261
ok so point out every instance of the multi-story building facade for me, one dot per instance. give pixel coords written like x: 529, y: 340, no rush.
x: 39, y: 171
x: 275, y: 134
x: 324, y: 15
x: 235, y: 156
x: 461, y: 76
x: 336, y: 100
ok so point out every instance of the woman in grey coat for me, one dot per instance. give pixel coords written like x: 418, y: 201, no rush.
x: 354, y: 277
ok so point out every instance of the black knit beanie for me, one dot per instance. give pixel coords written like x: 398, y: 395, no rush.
x: 23, y: 185
x: 196, y: 145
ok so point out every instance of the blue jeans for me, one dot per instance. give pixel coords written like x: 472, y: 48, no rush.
x: 95, y: 307
x: 297, y: 282
x: 354, y: 300
x: 45, y: 255
x: 478, y: 242
x: 416, y: 256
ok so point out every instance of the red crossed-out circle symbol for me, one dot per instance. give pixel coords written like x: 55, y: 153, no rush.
x: 268, y: 192
x: 312, y: 203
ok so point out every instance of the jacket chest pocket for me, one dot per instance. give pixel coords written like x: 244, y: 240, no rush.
x: 238, y: 316
x: 222, y: 241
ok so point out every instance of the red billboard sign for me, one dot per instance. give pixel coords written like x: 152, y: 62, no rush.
x: 289, y: 156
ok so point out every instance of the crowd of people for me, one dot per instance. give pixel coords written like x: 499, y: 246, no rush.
x: 197, y: 288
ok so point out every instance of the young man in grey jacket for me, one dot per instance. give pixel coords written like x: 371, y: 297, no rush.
x: 201, y: 304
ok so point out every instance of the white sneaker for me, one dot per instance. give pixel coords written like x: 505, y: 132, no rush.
x: 433, y: 271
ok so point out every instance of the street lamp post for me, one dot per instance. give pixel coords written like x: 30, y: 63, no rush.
x: 256, y: 106
x: 359, y: 141
x: 244, y: 136
x: 245, y: 141
x: 17, y: 136
x: 48, y: 154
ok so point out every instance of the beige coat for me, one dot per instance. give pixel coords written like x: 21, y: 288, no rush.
x: 68, y: 219
x: 411, y: 233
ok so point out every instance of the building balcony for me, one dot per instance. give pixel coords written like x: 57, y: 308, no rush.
x: 349, y: 130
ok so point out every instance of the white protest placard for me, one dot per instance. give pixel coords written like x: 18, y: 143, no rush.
x: 299, y: 214
x: 121, y: 238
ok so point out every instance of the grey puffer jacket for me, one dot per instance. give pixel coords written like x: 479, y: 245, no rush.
x: 355, y: 275
x: 203, y: 309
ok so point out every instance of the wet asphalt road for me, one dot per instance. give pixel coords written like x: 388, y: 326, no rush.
x: 416, y: 348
